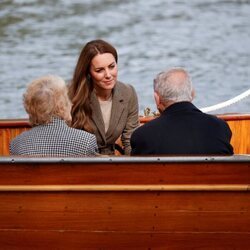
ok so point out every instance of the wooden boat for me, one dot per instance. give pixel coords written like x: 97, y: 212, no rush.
x: 191, y: 202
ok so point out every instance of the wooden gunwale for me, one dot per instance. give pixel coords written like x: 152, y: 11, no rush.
x: 24, y: 122
x: 226, y: 117
x: 239, y: 124
x: 6, y: 123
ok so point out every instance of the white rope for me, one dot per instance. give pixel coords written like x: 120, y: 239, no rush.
x: 226, y: 103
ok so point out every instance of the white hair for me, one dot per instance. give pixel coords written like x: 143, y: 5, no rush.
x: 174, y: 85
x: 45, y: 98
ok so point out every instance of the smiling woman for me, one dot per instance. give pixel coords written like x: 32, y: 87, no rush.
x: 101, y: 104
x: 103, y: 70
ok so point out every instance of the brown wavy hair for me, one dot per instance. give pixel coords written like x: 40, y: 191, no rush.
x: 81, y: 85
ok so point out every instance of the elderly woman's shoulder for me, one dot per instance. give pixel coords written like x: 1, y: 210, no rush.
x: 79, y: 133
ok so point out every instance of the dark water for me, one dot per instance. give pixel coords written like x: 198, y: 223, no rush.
x: 209, y: 38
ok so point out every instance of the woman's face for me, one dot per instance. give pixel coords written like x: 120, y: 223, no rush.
x: 103, y: 71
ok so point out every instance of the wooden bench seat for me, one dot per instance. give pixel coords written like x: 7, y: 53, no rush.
x: 125, y: 203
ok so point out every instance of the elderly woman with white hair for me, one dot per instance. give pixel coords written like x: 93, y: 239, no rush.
x: 47, y: 103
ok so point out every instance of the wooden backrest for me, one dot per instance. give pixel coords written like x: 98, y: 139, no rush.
x: 239, y: 124
x: 9, y: 129
x: 125, y: 203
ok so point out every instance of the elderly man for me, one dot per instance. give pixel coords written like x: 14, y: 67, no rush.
x: 181, y: 129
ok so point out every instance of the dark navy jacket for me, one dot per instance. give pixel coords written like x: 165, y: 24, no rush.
x: 182, y: 129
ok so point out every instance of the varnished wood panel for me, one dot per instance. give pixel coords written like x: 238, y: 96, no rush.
x: 125, y: 173
x: 113, y: 220
x: 170, y: 201
x: 6, y: 135
x: 240, y: 136
x: 239, y: 124
x: 125, y: 219
x: 125, y: 212
x: 40, y: 240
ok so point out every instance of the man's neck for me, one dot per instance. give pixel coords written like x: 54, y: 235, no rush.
x: 165, y: 105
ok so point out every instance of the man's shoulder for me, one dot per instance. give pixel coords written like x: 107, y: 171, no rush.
x: 212, y: 122
x: 149, y: 126
x: 213, y: 118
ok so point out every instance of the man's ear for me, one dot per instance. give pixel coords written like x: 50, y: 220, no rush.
x: 193, y: 94
x: 157, y: 99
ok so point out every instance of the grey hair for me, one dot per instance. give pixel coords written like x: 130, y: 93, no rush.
x: 174, y: 85
x: 45, y: 98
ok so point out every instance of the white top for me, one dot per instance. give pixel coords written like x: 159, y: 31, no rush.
x: 106, y: 107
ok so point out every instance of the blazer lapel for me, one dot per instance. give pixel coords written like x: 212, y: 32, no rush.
x: 97, y: 115
x: 117, y: 110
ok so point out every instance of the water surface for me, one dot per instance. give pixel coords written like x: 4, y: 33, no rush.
x: 211, y: 39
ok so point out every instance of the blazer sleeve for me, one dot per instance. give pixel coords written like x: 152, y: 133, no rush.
x: 92, y: 146
x: 132, y: 120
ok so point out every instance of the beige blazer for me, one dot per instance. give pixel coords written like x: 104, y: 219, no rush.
x: 124, y: 118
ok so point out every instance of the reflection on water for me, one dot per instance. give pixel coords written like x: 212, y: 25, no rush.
x: 210, y: 38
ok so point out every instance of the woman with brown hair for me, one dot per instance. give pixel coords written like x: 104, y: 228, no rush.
x: 101, y: 104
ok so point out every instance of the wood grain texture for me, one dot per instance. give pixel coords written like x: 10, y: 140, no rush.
x: 125, y: 219
x: 122, y: 188
x: 114, y: 220
x: 240, y: 136
x: 239, y: 124
x: 129, y: 212
x: 125, y: 173
x: 40, y: 240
